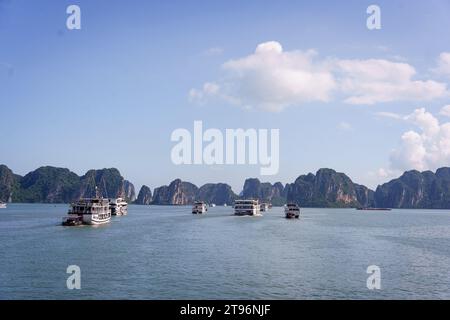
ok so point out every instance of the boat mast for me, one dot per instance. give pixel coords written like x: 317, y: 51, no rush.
x: 96, y: 193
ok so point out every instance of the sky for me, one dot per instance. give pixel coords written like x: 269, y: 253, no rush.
x: 370, y: 103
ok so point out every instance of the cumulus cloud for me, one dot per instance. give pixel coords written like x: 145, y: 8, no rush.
x: 208, y: 89
x: 426, y: 148
x: 374, y: 80
x: 272, y: 79
x: 443, y: 64
x: 445, y: 111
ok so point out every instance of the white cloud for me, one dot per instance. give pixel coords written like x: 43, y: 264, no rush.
x: 272, y: 79
x: 373, y: 81
x: 383, y: 173
x: 425, y: 149
x: 443, y: 64
x: 425, y: 121
x: 445, y: 111
x: 209, y: 89
x: 391, y: 115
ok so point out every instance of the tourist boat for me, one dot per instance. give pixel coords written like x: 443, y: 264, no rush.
x: 264, y: 207
x: 373, y: 209
x: 119, y: 207
x: 292, y: 211
x: 2, y: 205
x: 247, y: 208
x: 199, y: 207
x: 72, y: 221
x: 90, y: 211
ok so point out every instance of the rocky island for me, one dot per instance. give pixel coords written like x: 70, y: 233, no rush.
x: 325, y: 188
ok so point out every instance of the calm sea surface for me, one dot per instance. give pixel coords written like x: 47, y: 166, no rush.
x: 167, y: 253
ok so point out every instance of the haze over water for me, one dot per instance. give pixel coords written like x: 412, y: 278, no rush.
x: 167, y: 253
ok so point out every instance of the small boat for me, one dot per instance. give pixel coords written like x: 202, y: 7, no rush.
x: 373, y: 209
x: 90, y: 211
x: 2, y: 205
x: 264, y: 207
x: 248, y: 207
x: 72, y: 221
x: 119, y: 207
x: 292, y: 211
x: 199, y: 207
x: 212, y: 205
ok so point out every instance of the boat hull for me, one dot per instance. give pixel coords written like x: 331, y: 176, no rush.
x: 248, y: 213
x: 119, y: 212
x: 92, y: 220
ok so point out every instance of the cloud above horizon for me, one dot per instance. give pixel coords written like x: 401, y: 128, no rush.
x: 445, y: 111
x: 426, y: 148
x: 443, y: 66
x: 271, y: 79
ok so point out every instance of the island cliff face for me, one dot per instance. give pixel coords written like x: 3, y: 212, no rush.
x: 177, y: 193
x: 217, y: 193
x: 264, y: 192
x: 186, y: 193
x: 109, y: 183
x: 129, y: 192
x: 416, y: 189
x: 47, y: 185
x: 144, y: 196
x: 60, y: 185
x: 9, y: 183
x: 326, y: 188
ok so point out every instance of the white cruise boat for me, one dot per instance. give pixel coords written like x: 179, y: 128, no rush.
x: 119, y: 207
x: 2, y: 205
x: 247, y: 208
x: 264, y: 207
x: 91, y: 211
x: 199, y: 207
x: 292, y: 211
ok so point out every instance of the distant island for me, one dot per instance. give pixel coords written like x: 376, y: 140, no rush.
x: 327, y: 188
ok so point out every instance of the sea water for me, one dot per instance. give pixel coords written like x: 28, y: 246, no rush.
x: 165, y: 252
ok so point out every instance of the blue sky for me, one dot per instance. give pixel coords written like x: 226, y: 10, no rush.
x: 110, y: 94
